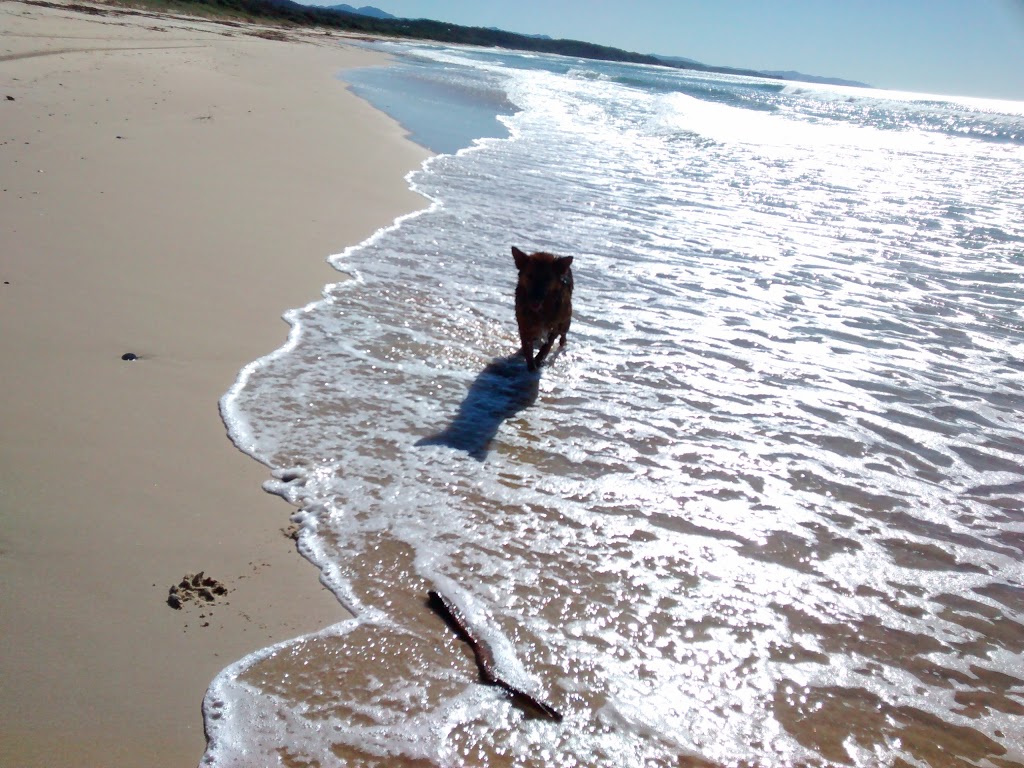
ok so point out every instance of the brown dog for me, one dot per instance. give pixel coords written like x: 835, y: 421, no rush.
x: 543, y: 302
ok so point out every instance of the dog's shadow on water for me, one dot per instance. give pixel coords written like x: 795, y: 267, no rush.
x: 499, y: 392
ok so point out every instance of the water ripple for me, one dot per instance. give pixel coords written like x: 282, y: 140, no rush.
x: 767, y: 507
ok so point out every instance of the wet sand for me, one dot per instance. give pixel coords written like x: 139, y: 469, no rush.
x: 170, y: 186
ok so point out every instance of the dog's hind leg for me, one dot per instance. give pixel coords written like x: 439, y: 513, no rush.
x: 564, y: 330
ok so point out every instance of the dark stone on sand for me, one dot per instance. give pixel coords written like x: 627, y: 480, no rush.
x: 10, y: 98
x: 129, y: 356
x: 174, y: 601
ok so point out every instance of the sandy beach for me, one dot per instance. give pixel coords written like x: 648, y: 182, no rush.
x: 170, y: 187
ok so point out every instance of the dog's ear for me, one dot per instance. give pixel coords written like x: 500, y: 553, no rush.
x: 562, y: 264
x: 520, y: 257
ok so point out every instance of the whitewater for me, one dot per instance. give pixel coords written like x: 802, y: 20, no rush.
x: 765, y: 508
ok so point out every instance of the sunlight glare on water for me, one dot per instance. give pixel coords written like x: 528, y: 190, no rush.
x: 765, y: 508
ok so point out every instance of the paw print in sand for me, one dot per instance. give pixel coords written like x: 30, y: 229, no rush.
x: 198, y: 588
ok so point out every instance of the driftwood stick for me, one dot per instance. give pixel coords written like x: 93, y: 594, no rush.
x: 484, y: 657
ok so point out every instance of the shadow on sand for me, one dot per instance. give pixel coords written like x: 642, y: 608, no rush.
x: 500, y: 391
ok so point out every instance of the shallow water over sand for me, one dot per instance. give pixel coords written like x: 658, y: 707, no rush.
x: 765, y: 508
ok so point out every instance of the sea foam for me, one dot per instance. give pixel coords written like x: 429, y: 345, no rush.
x: 765, y: 507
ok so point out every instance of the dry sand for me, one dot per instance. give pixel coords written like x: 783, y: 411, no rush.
x: 169, y: 188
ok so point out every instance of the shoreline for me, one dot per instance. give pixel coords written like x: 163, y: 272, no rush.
x: 171, y: 186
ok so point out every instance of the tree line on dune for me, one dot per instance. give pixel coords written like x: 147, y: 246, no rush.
x: 288, y: 12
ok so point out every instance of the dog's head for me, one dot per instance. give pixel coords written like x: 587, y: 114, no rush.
x: 543, y: 277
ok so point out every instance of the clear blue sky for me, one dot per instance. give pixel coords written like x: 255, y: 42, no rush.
x: 955, y: 47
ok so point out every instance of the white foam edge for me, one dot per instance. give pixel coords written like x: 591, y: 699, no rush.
x: 238, y: 427
x: 242, y: 721
x: 239, y: 430
x: 221, y: 711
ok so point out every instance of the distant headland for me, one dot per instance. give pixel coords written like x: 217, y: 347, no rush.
x: 370, y: 20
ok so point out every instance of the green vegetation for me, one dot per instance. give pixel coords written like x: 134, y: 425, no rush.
x: 293, y: 14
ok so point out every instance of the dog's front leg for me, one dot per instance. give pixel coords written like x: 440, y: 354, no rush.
x: 545, y: 348
x: 527, y: 352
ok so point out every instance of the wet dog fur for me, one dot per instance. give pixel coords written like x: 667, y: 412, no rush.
x: 543, y: 302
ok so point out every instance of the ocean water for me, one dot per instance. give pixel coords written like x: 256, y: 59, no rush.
x: 766, y: 507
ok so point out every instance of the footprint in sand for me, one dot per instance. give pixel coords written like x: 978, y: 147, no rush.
x: 197, y: 588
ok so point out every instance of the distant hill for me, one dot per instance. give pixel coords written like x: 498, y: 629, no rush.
x: 535, y: 37
x: 366, y: 10
x: 678, y: 61
x: 355, y: 20
x: 800, y: 76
